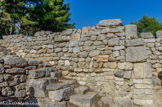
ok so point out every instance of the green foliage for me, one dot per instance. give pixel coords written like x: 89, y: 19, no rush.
x: 29, y: 16
x: 147, y: 24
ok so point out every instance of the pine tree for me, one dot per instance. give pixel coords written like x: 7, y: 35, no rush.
x: 17, y: 13
x: 53, y: 15
x: 147, y: 24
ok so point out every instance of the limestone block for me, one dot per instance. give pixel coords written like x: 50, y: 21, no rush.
x: 107, y: 23
x: 85, y: 30
x: 116, y: 48
x: 60, y: 38
x: 112, y: 65
x: 136, y: 54
x: 61, y: 94
x: 15, y: 61
x: 113, y: 42
x: 142, y: 70
x: 94, y: 53
x: 159, y: 34
x: 15, y: 71
x: 102, y: 58
x: 125, y: 66
x: 147, y: 35
x: 127, y: 75
x: 144, y: 103
x: 85, y: 100
x: 135, y: 42
x: 131, y: 31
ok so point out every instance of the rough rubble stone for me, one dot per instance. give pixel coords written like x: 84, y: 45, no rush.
x: 1, y: 69
x: 15, y: 61
x: 147, y: 35
x: 94, y: 53
x: 136, y: 54
x: 15, y: 71
x: 20, y: 93
x: 119, y: 73
x: 159, y: 34
x: 113, y: 42
x: 7, y: 91
x: 81, y: 90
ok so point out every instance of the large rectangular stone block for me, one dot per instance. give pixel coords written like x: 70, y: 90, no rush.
x: 136, y: 54
x: 142, y: 70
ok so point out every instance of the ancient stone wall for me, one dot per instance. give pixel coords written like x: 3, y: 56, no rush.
x: 108, y: 58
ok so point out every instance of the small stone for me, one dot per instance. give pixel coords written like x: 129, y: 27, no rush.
x: 127, y: 75
x: 125, y: 66
x: 94, y: 53
x: 20, y: 93
x: 7, y: 91
x: 119, y: 73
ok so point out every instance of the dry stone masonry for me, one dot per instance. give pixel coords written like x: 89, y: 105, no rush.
x: 118, y: 67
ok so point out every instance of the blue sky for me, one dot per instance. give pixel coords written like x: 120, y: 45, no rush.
x: 90, y: 12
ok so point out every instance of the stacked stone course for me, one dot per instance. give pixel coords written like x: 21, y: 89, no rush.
x: 109, y: 58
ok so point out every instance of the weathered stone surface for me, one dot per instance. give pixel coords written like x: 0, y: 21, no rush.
x: 38, y: 87
x: 107, y: 23
x: 61, y: 94
x: 57, y: 86
x: 116, y: 48
x: 136, y: 54
x: 52, y: 104
x: 113, y: 42
x: 81, y: 90
x: 75, y: 37
x: 142, y: 70
x: 135, y: 42
x: 85, y: 100
x: 1, y: 68
x: 15, y: 61
x: 56, y: 74
x: 43, y: 72
x: 147, y: 35
x: 127, y: 75
x: 125, y: 66
x: 20, y: 93
x: 32, y: 62
x: 102, y: 58
x: 131, y: 31
x: 62, y: 38
x: 94, y: 53
x: 140, y: 102
x: 7, y: 91
x: 159, y: 34
x: 112, y: 65
x: 119, y: 73
x: 15, y: 71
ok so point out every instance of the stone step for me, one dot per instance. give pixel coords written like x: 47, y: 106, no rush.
x: 62, y: 94
x: 52, y: 104
x: 85, y: 100
x: 60, y: 85
x: 81, y: 90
